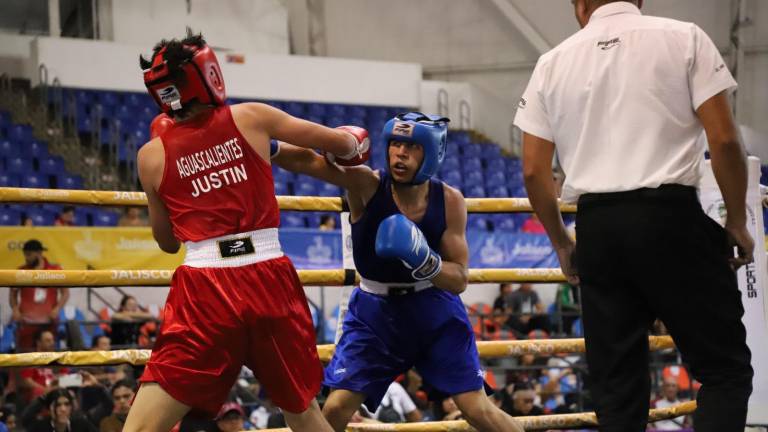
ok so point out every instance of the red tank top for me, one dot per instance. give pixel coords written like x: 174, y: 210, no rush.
x: 214, y: 182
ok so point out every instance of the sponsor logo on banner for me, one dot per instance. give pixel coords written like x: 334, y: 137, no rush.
x: 88, y: 249
x: 129, y: 196
x: 751, y: 280
x: 140, y: 274
x: 491, y: 254
x: 38, y: 275
x: 130, y: 244
x: 44, y: 193
x: 319, y: 252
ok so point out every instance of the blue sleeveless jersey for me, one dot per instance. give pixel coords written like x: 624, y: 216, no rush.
x: 381, y: 206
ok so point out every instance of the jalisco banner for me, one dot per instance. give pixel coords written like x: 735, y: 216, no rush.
x: 753, y: 282
x: 81, y: 248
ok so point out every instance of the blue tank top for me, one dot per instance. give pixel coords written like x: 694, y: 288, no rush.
x: 382, y: 205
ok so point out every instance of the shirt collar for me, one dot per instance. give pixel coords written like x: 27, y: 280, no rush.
x: 615, y: 8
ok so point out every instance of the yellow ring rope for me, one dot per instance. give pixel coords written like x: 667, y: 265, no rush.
x: 538, y: 423
x: 487, y: 349
x: 110, y: 278
x: 303, y: 203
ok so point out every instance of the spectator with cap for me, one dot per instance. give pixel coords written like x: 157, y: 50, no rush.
x: 122, y: 396
x: 230, y: 418
x: 66, y: 217
x: 34, y: 308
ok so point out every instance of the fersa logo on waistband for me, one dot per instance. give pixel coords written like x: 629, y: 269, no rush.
x: 235, y: 247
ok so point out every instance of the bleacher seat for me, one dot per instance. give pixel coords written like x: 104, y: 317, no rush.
x: 40, y: 217
x: 292, y: 220
x: 18, y: 165
x: 305, y: 188
x: 316, y: 110
x: 20, y: 133
x: 471, y: 164
x: 336, y: 121
x: 83, y: 216
x: 69, y: 181
x: 453, y: 178
x: 34, y: 180
x: 52, y: 165
x: 9, y: 180
x: 34, y: 149
x: 495, y: 164
x: 328, y: 190
x: 498, y: 192
x: 105, y: 218
x: 282, y: 189
x: 336, y: 110
x: 519, y: 192
x: 473, y: 178
x: 9, y: 149
x: 9, y: 217
x: 84, y: 124
x: 451, y: 163
x: 490, y: 151
x: 474, y: 191
x: 296, y: 109
x: 495, y: 178
x: 108, y: 98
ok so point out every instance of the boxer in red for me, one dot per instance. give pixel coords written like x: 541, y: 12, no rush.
x: 236, y: 300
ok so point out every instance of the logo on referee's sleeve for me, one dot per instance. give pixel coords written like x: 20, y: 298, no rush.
x: 235, y: 247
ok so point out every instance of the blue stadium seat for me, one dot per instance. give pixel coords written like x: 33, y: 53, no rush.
x: 292, y: 220
x: 84, y: 124
x: 471, y: 164
x: 357, y: 111
x: 519, y: 192
x: 9, y: 217
x: 329, y: 190
x: 453, y: 178
x: 476, y: 191
x: 53, y: 165
x: 125, y: 113
x: 461, y: 137
x: 20, y: 133
x: 451, y: 163
x: 496, y: 164
x: 282, y: 175
x: 9, y: 180
x: 336, y: 110
x: 490, y: 151
x: 32, y: 180
x: 504, y: 223
x: 513, y: 164
x: 473, y: 178
x: 148, y: 113
x: 69, y: 181
x: 316, y: 110
x: 282, y: 189
x: 51, y: 208
x: 5, y: 119
x: 296, y: 109
x: 18, y: 165
x: 498, y: 192
x: 40, y: 217
x: 9, y: 149
x: 108, y: 98
x: 34, y: 149
x: 83, y: 216
x: 472, y: 151
x: 304, y: 189
x: 105, y: 218
x: 495, y: 178
x: 136, y: 100
x: 452, y: 149
x: 335, y: 121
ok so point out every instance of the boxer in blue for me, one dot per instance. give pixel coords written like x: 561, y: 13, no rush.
x: 409, y: 246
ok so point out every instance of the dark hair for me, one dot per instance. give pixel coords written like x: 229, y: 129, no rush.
x: 68, y: 208
x: 95, y: 339
x: 326, y: 218
x: 39, y: 334
x: 125, y: 300
x: 176, y: 53
x: 54, y: 395
x: 123, y: 383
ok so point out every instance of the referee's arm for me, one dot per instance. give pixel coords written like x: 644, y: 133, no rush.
x: 729, y: 164
x: 537, y: 170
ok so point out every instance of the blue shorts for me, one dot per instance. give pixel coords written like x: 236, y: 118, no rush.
x: 384, y: 337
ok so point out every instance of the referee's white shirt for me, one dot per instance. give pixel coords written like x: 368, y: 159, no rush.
x: 618, y: 99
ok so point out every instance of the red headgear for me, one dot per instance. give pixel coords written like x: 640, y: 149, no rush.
x: 202, y: 80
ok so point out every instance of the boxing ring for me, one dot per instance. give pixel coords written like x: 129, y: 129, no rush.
x: 338, y: 277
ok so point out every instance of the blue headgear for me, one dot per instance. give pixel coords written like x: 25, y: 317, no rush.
x: 429, y: 131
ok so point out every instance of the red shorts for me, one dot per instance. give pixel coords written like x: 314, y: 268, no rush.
x: 218, y: 319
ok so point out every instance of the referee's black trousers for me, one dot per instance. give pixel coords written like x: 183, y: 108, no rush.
x: 654, y: 253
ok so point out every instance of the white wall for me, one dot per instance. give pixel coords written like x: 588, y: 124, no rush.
x: 108, y: 65
x: 14, y: 54
x: 243, y: 26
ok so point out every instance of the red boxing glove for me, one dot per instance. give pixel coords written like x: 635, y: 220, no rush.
x: 362, y: 150
x: 161, y: 124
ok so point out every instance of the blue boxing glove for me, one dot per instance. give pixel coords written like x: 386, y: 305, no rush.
x: 398, y: 237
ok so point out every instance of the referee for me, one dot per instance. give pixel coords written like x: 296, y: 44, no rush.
x: 623, y: 101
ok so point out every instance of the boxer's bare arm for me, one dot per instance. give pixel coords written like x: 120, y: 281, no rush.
x: 454, y: 251
x: 260, y: 122
x: 360, y: 181
x: 151, y: 163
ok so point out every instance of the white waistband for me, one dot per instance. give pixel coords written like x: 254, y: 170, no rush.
x: 385, y: 289
x: 208, y: 253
